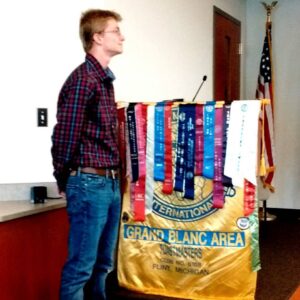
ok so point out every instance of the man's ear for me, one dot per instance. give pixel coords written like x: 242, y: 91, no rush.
x: 97, y: 37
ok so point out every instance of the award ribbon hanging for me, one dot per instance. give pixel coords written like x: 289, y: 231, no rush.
x: 175, y: 112
x: 218, y: 189
x: 236, y: 133
x: 140, y: 184
x: 131, y: 124
x: 226, y: 119
x: 180, y: 149
x: 249, y: 197
x: 128, y: 163
x: 241, y: 156
x: 168, y: 182
x: 122, y: 145
x: 141, y: 127
x: 250, y: 150
x: 199, y: 140
x: 209, y: 137
x: 149, y: 159
x: 189, y: 153
x: 250, y: 142
x: 159, y: 142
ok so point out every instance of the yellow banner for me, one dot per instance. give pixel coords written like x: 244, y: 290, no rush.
x: 188, y: 249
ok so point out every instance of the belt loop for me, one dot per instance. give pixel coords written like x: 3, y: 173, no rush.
x: 113, y: 174
x: 78, y: 171
x: 107, y: 173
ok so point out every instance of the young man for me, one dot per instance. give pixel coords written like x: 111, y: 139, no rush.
x: 86, y: 158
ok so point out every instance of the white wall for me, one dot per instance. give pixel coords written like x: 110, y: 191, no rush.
x: 39, y: 48
x: 168, y: 49
x: 286, y: 63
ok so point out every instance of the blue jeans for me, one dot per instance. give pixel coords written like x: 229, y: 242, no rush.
x: 93, y: 206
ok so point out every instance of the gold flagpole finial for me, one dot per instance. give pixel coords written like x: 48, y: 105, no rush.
x: 269, y: 8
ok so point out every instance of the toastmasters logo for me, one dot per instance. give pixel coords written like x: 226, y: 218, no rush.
x: 176, y: 207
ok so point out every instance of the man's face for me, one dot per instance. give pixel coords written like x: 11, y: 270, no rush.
x: 112, y: 38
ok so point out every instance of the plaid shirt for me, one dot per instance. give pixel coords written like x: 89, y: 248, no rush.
x: 86, y: 131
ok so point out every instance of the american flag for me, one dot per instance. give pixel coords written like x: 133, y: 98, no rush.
x: 265, y: 91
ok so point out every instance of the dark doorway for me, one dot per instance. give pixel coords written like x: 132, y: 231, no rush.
x: 227, y: 39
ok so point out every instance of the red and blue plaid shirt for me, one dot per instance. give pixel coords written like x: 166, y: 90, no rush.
x: 86, y: 131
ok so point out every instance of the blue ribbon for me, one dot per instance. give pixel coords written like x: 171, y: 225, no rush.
x: 159, y: 142
x: 180, y: 149
x: 190, y: 116
x: 209, y: 140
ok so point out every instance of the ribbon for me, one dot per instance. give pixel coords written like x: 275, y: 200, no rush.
x: 226, y: 119
x: 218, y: 190
x: 199, y: 140
x: 180, y: 149
x: 189, y: 156
x: 168, y: 182
x: 122, y: 145
x: 175, y: 113
x: 140, y: 184
x: 141, y: 128
x: 149, y: 159
x: 249, y: 197
x: 208, y: 133
x: 128, y: 164
x: 241, y: 152
x: 159, y: 143
x: 131, y: 124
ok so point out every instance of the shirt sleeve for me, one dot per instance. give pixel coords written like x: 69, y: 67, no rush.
x: 68, y: 130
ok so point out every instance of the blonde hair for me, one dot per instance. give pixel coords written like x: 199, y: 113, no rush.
x: 93, y: 21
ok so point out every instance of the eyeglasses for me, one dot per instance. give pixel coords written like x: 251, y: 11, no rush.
x: 115, y: 31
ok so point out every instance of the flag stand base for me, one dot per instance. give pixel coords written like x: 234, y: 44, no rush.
x: 263, y: 214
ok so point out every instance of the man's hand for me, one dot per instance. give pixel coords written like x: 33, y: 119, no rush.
x: 63, y: 194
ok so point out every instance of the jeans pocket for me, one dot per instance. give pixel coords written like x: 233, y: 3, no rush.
x: 74, y: 201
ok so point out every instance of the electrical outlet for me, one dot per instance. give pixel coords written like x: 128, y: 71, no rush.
x: 42, y: 117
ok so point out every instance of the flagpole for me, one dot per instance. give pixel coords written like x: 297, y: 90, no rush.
x: 269, y: 8
x: 265, y: 216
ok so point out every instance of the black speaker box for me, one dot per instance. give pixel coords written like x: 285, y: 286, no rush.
x: 38, y: 194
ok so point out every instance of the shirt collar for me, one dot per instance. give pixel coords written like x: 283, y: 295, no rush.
x: 104, y: 74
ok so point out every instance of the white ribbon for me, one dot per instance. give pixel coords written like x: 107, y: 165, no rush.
x: 241, y: 151
x: 149, y: 159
